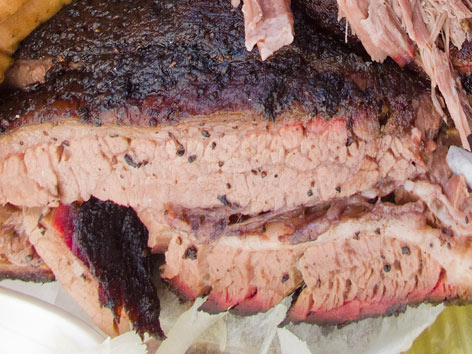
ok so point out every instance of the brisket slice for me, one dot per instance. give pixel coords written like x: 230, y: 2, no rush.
x: 98, y: 251
x: 18, y: 258
x: 364, y: 262
x: 159, y: 107
x: 112, y: 242
x: 146, y: 110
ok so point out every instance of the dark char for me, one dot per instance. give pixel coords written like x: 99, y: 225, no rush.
x: 156, y: 62
x: 113, y: 241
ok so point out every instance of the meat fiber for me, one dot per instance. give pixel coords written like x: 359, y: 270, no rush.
x: 378, y: 29
x: 18, y: 258
x: 387, y: 28
x: 76, y: 277
x: 393, y: 28
x: 317, y: 116
x: 269, y: 24
x: 366, y: 261
x: 98, y: 251
x: 244, y: 172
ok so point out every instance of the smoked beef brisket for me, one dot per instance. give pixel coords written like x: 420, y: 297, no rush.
x: 316, y: 172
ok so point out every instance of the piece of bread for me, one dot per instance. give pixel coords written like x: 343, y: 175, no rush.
x: 9, y: 7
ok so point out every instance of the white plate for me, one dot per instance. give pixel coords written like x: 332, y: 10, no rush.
x: 29, y: 325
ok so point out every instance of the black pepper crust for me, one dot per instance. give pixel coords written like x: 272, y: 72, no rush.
x: 155, y: 62
x: 113, y: 242
x: 325, y: 17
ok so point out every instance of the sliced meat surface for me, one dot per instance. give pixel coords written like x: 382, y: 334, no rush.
x: 18, y: 258
x: 98, y: 251
x: 367, y: 275
x: 71, y: 272
x: 111, y: 241
x: 146, y: 170
x: 363, y: 277
x: 361, y: 266
x: 232, y: 163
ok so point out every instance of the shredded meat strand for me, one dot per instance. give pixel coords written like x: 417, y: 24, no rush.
x: 390, y: 26
x: 386, y: 28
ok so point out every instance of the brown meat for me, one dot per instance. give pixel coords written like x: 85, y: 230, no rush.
x: 251, y: 146
x: 232, y: 163
x: 27, y: 72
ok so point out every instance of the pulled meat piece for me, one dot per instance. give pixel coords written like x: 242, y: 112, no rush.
x: 378, y: 28
x: 437, y: 65
x: 393, y: 28
x: 387, y: 28
x: 269, y: 24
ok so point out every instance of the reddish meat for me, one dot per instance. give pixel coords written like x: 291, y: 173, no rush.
x: 70, y: 271
x: 243, y: 170
x: 361, y: 266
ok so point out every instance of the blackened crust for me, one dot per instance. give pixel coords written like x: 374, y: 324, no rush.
x: 155, y: 62
x: 113, y: 241
x: 324, y: 14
